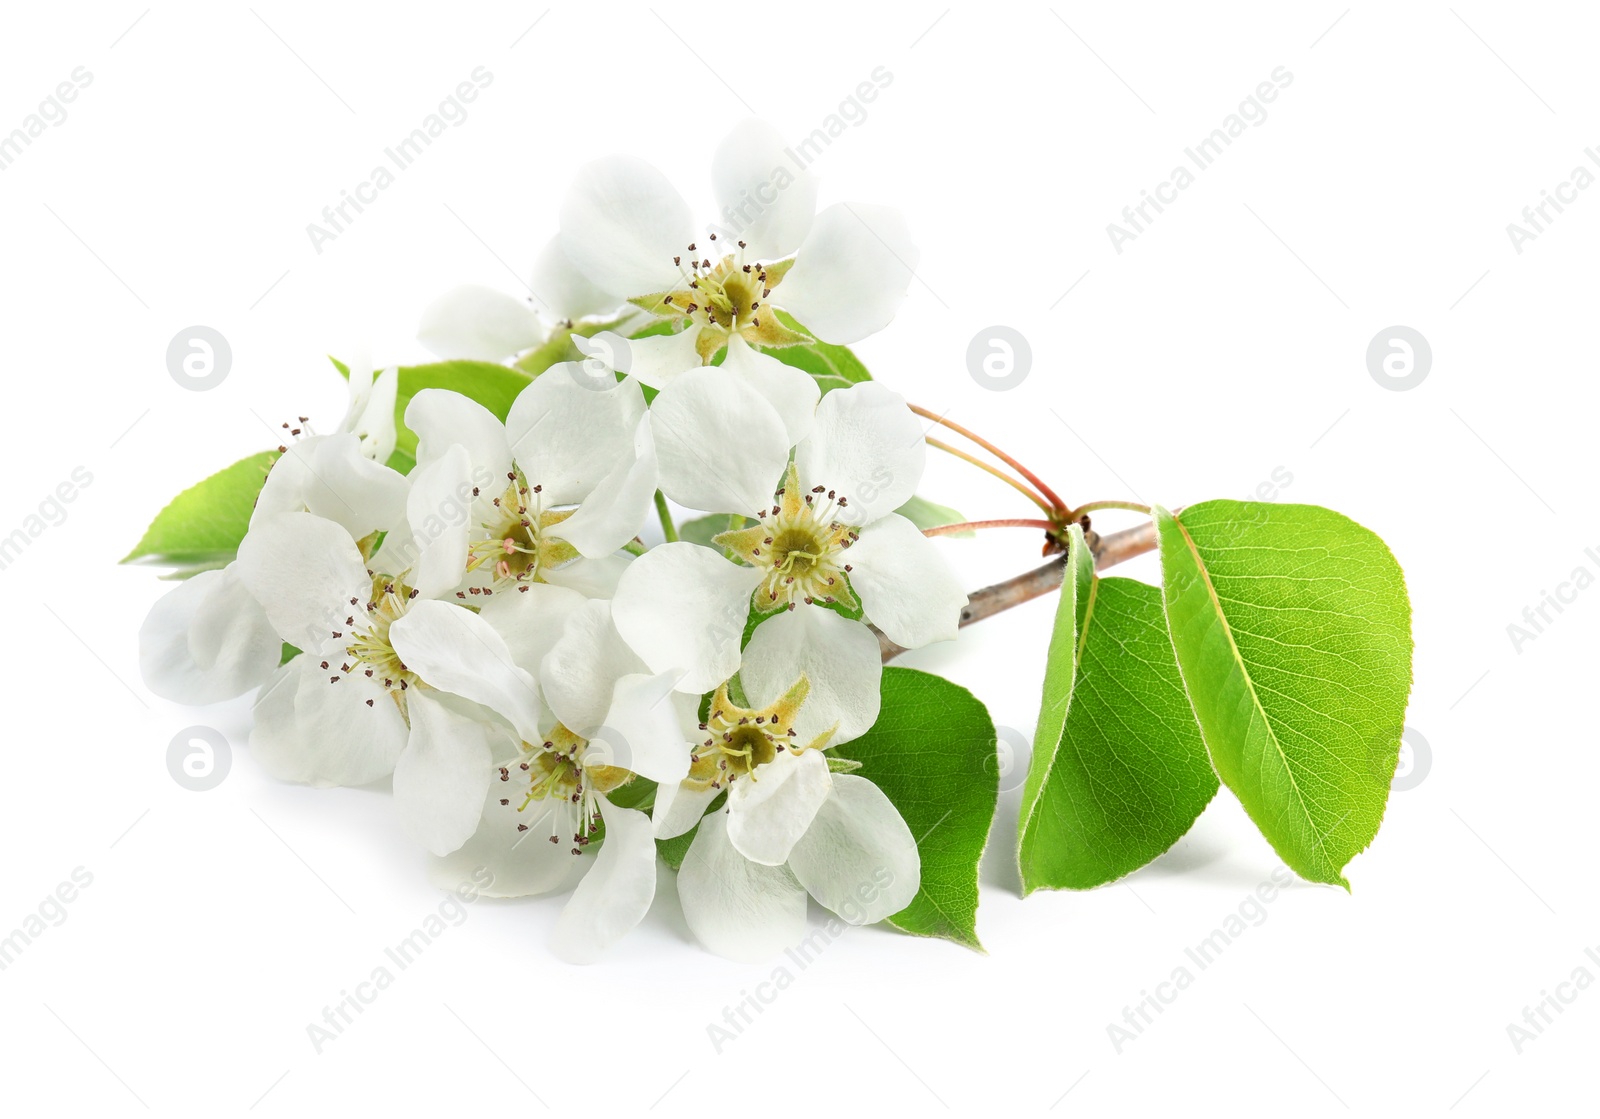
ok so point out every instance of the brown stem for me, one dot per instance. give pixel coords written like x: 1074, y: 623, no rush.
x: 987, y: 469
x: 1108, y: 551
x: 1008, y: 522
x: 1048, y: 493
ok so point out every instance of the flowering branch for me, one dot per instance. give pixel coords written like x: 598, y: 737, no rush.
x: 1108, y: 551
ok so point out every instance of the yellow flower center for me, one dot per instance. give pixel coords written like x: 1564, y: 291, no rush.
x: 513, y: 541
x: 558, y: 772
x: 740, y: 740
x: 725, y: 297
x: 366, y: 632
x: 798, y: 545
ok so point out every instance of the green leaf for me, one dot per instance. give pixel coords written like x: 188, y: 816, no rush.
x: 640, y: 793
x: 659, y: 328
x: 673, y: 851
x: 700, y: 530
x: 932, y: 752
x: 202, y: 526
x: 926, y: 514
x: 834, y: 367
x: 1292, y: 629
x: 556, y: 348
x: 1119, y: 771
x: 493, y: 386
x: 189, y: 571
x: 560, y: 347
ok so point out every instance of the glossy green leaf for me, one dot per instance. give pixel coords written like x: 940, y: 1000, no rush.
x: 932, y: 752
x: 1119, y: 771
x: 1292, y: 629
x: 202, y: 526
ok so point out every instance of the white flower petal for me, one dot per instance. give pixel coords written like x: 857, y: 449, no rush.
x: 207, y: 640
x: 792, y: 393
x: 440, y: 778
x: 765, y: 201
x: 720, y: 446
x: 565, y: 292
x: 768, y: 814
x: 906, y: 587
x: 442, y: 418
x: 530, y: 620
x: 592, y: 578
x: 867, y: 445
x: 454, y: 650
x: 739, y: 909
x: 682, y: 609
x: 616, y: 509
x: 851, y: 273
x: 438, y: 511
x: 331, y: 476
x: 371, y: 413
x: 622, y: 223
x: 479, y: 323
x: 567, y: 436
x: 516, y: 863
x: 643, y: 730
x: 652, y: 361
x: 615, y: 894
x: 839, y: 657
x: 679, y: 808
x: 309, y: 730
x: 858, y: 858
x: 304, y: 571
x: 583, y: 665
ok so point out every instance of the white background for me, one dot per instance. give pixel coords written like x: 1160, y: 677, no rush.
x: 1228, y: 340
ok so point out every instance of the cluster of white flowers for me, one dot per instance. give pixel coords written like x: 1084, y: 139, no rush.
x: 549, y: 695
